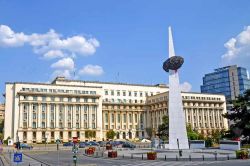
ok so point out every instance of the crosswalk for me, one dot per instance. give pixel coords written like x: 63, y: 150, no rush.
x: 170, y: 163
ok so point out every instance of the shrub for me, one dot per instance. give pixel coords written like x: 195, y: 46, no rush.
x: 241, y: 154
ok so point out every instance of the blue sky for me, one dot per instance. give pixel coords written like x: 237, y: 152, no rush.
x: 96, y: 40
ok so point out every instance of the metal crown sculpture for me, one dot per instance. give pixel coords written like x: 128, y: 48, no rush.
x: 173, y: 63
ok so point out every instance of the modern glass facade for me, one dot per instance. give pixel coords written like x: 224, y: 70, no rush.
x: 230, y: 81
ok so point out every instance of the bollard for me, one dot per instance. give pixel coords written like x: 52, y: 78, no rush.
x: 215, y: 156
x: 190, y: 159
x: 131, y: 156
x: 203, y: 157
x: 228, y: 157
x: 123, y: 155
x: 142, y: 156
x: 41, y: 164
x: 165, y: 157
x: 102, y: 154
x: 176, y: 158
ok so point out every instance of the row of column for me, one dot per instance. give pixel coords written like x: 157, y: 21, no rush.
x: 66, y: 110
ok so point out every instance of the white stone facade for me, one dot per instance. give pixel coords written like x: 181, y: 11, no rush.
x: 67, y: 108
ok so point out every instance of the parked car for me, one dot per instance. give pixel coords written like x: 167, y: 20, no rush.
x: 83, y: 144
x: 128, y: 145
x: 26, y: 146
x: 93, y: 143
x: 102, y: 143
x: 68, y: 144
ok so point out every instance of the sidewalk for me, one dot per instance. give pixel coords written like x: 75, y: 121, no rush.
x: 26, y: 161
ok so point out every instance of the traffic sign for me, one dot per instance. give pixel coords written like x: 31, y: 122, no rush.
x: 18, y: 157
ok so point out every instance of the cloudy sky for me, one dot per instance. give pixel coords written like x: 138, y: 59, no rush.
x: 120, y: 41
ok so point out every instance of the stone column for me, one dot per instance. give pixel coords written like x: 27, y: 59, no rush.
x: 21, y: 116
x: 39, y: 116
x: 48, y: 116
x: 29, y: 117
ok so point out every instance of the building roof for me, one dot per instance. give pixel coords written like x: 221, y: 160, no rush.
x: 100, y: 82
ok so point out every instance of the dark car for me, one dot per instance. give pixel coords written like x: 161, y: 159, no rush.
x: 102, y: 143
x: 25, y: 146
x: 92, y: 143
x: 82, y: 144
x: 128, y: 145
x: 68, y: 144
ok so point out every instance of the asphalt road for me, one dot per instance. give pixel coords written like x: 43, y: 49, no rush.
x: 64, y: 158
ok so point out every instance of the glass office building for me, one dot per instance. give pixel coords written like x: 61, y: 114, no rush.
x: 230, y: 81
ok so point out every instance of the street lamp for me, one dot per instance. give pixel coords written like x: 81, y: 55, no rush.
x: 46, y: 139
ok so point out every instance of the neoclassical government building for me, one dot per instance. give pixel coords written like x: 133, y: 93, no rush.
x: 62, y: 109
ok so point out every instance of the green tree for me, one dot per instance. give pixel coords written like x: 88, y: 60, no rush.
x: 192, y: 134
x: 110, y: 134
x: 163, y: 129
x: 240, y: 115
x: 149, y: 131
x: 89, y: 134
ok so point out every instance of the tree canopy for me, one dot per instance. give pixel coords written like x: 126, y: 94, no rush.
x: 240, y: 115
x: 110, y: 134
x: 163, y: 129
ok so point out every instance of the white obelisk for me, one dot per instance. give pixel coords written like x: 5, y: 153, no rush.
x: 177, y: 125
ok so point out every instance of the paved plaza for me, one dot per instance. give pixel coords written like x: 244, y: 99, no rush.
x: 51, y: 157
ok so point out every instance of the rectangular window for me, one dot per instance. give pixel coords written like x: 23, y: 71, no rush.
x: 85, y: 100
x: 85, y: 116
x: 135, y: 118
x: 129, y: 93
x: 93, y: 100
x: 112, y: 118
x: 35, y: 98
x: 124, y: 93
x: 118, y: 93
x: 93, y: 116
x: 106, y: 92
x: 130, y: 118
x: 140, y: 94
x: 93, y: 125
x: 106, y: 118
x: 43, y: 98
x: 44, y: 107
x: 77, y: 125
x: 43, y: 115
x: 135, y: 94
x: 112, y: 93
x: 118, y: 118
x: 77, y: 99
x: 124, y: 118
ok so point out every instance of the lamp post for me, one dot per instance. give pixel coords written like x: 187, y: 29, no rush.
x: 46, y: 139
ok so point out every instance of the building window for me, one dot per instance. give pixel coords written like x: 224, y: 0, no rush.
x: 93, y: 125
x: 35, y: 98
x: 44, y: 107
x: 85, y: 116
x: 112, y: 118
x: 43, y: 115
x: 112, y: 93
x: 60, y: 125
x: 34, y: 125
x: 124, y: 118
x: 119, y: 118
x: 118, y: 93
x: 124, y: 93
x: 34, y: 107
x: 129, y: 93
x: 135, y: 94
x: 77, y: 99
x: 106, y: 118
x: 85, y: 125
x: 43, y: 125
x: 93, y: 100
x: 69, y: 125
x: 69, y: 99
x: 135, y: 118
x: 77, y: 125
x: 130, y: 118
x: 34, y: 115
x: 85, y: 100
x: 93, y: 116
x: 61, y: 99
x: 43, y: 98
x: 106, y: 92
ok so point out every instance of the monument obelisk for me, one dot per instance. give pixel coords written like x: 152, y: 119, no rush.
x: 177, y: 125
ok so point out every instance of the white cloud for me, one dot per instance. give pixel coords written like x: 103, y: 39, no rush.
x: 53, y: 54
x: 238, y: 49
x: 62, y: 73
x: 65, y: 63
x: 51, y: 45
x: 186, y: 87
x: 47, y: 42
x: 93, y: 70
